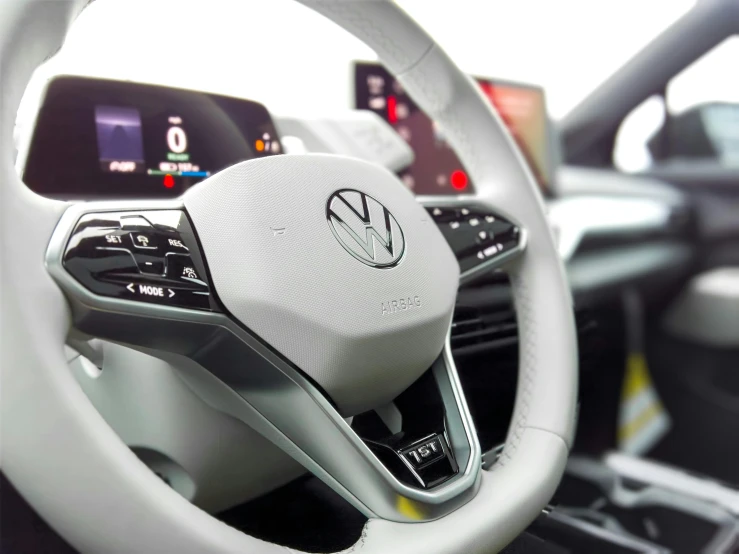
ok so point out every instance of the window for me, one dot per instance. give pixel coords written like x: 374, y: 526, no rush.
x: 696, y: 121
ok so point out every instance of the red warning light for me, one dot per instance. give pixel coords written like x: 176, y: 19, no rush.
x: 168, y: 181
x: 392, y: 114
x: 458, y: 179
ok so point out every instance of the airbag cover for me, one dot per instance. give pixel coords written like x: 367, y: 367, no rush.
x: 357, y: 297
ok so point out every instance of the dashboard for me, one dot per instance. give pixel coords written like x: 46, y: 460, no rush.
x: 437, y: 169
x: 103, y: 139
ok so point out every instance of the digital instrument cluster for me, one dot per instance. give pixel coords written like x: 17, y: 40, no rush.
x: 436, y: 168
x: 98, y: 139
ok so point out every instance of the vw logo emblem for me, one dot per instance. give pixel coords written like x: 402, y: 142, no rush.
x: 365, y: 228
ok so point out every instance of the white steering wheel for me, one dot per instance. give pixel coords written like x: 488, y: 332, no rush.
x: 270, y: 352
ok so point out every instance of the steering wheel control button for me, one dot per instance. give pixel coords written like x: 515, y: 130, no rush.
x: 114, y: 239
x: 149, y: 263
x: 476, y: 235
x: 176, y: 246
x: 143, y: 240
x: 143, y: 258
x: 99, y: 264
x: 150, y: 290
x: 181, y: 267
x: 135, y: 223
x: 166, y: 294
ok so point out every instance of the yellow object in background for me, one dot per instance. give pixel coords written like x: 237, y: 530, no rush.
x: 642, y: 419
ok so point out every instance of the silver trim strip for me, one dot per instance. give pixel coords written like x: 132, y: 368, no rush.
x: 573, y: 218
x: 674, y: 479
x: 280, y: 402
x: 606, y: 535
x: 609, y: 481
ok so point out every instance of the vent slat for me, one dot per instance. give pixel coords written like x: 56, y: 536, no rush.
x: 475, y: 329
x: 498, y: 330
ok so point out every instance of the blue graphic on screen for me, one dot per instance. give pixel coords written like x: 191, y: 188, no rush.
x: 120, y: 141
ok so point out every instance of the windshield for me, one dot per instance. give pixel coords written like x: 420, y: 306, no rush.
x: 289, y: 58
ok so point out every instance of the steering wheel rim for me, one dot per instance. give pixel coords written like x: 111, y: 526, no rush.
x: 52, y: 435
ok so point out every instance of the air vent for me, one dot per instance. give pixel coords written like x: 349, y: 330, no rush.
x: 482, y: 327
x: 479, y: 325
x: 591, y: 342
x: 484, y: 339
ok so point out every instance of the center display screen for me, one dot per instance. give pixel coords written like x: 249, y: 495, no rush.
x: 436, y: 168
x: 99, y: 138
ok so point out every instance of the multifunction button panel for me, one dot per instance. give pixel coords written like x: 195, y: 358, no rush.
x: 147, y: 256
x: 475, y: 234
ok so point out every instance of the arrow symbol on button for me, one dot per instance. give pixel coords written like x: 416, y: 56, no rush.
x: 130, y: 287
x: 171, y: 293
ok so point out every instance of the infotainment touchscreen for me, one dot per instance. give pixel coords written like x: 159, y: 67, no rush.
x: 436, y: 168
x: 99, y: 138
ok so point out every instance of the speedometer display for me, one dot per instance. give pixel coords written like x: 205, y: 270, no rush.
x: 99, y: 138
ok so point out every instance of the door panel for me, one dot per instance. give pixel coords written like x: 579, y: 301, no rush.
x: 693, y: 348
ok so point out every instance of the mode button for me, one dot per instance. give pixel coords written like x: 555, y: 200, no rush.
x: 150, y: 290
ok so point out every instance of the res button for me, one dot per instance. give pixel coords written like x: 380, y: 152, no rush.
x: 175, y: 245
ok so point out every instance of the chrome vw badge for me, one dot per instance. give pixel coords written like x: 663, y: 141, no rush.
x: 365, y: 228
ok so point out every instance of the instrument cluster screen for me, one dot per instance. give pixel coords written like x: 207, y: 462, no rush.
x: 101, y: 139
x: 436, y: 168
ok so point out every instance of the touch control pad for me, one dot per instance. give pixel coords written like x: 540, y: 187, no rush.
x: 147, y: 256
x: 475, y: 234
